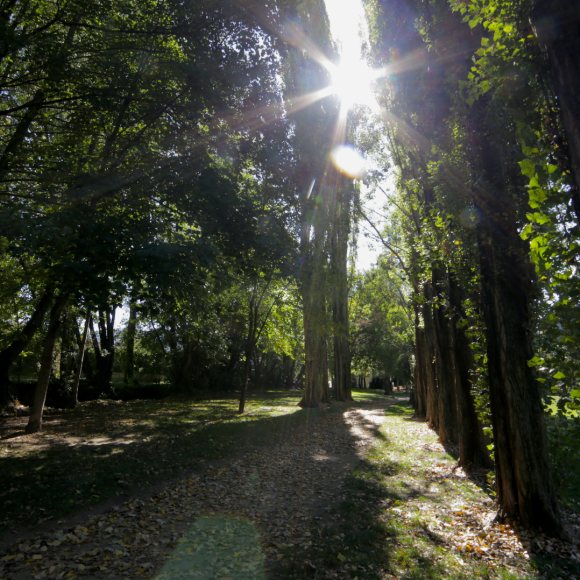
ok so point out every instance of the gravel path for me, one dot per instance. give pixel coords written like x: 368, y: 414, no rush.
x: 236, y: 519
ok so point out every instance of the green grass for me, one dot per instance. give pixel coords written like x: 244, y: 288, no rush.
x: 407, y: 513
x: 100, y: 451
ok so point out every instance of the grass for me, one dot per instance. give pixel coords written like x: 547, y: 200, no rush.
x: 106, y: 449
x: 408, y: 512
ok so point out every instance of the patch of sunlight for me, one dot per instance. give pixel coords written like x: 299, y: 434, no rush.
x: 218, y: 546
x: 98, y: 441
x: 323, y: 457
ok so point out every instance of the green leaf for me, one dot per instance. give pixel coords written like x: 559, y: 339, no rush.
x: 537, y: 196
x: 528, y: 167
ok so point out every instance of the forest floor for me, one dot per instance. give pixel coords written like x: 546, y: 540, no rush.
x: 182, y: 489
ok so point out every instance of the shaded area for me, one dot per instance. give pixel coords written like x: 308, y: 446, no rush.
x: 106, y: 449
x: 282, y: 489
x: 347, y: 491
x: 217, y: 547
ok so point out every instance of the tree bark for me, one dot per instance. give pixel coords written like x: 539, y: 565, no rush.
x: 253, y: 310
x: 430, y: 374
x: 420, y: 390
x: 130, y: 352
x: 339, y: 290
x: 315, y: 325
x: 313, y: 285
x: 46, y: 362
x: 445, y: 364
x: 523, y: 477
x: 522, y: 472
x: 556, y: 24
x: 472, y: 451
x: 15, y: 348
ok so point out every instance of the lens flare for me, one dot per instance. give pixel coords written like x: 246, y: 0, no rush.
x: 349, y: 161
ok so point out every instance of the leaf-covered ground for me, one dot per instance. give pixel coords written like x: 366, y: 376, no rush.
x: 352, y: 491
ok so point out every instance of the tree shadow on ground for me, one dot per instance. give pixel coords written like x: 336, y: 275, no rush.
x: 307, y: 527
x: 552, y: 558
x: 104, y: 450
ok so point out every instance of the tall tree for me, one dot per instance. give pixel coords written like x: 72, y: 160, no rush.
x: 313, y: 128
x: 489, y: 185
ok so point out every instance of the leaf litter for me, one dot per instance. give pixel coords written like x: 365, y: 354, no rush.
x: 273, y: 510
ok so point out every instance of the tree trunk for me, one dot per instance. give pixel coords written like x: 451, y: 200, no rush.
x: 314, y: 317
x: 104, y: 346
x: 420, y: 390
x: 522, y: 473
x: 339, y: 290
x: 46, y: 363
x: 472, y: 451
x: 445, y: 363
x: 430, y: 375
x: 184, y: 366
x: 15, y: 348
x: 253, y: 310
x: 557, y: 27
x: 130, y: 352
x: 74, y: 387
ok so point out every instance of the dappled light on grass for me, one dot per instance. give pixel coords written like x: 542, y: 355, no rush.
x: 408, y: 511
x: 339, y: 492
x: 103, y: 449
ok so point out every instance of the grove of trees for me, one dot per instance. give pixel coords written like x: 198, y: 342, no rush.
x: 167, y: 162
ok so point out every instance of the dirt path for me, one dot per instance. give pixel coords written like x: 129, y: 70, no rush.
x: 236, y: 519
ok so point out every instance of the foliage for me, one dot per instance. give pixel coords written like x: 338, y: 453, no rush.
x: 381, y: 324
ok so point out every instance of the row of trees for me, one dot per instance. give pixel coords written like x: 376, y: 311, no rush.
x: 174, y: 156
x: 145, y: 159
x: 482, y: 134
x: 158, y: 155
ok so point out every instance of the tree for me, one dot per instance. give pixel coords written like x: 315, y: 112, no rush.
x: 312, y: 144
x: 456, y: 174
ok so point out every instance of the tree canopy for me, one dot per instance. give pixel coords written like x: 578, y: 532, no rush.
x: 176, y: 165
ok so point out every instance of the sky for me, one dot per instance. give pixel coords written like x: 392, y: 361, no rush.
x: 350, y: 31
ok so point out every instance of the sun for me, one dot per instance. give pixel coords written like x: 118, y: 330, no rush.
x: 352, y: 81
